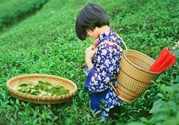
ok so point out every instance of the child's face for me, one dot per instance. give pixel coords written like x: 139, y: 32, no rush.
x: 93, y: 33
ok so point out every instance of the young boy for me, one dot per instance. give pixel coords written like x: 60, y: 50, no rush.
x: 102, y: 60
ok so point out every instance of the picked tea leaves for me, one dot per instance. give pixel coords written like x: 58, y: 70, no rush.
x: 23, y: 85
x: 35, y: 93
x: 44, y: 83
x: 44, y: 88
x: 25, y: 90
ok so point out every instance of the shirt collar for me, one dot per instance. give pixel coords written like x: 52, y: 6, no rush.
x: 104, y: 36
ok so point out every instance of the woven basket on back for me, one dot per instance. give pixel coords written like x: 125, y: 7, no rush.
x: 13, y: 86
x: 134, y: 77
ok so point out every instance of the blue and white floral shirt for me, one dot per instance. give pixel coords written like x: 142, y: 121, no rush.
x: 106, y: 61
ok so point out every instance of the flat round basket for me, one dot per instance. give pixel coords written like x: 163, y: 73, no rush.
x: 13, y: 86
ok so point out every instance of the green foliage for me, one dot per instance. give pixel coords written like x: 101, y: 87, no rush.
x: 165, y: 108
x: 176, y: 53
x: 46, y: 43
x: 13, y: 10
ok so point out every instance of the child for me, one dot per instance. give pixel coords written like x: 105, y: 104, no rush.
x: 102, y: 60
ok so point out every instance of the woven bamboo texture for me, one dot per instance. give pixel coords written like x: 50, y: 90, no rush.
x: 134, y: 77
x: 13, y: 86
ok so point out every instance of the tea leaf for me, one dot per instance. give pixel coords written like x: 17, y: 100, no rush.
x: 21, y: 90
x: 44, y: 83
x: 35, y: 93
x: 23, y: 85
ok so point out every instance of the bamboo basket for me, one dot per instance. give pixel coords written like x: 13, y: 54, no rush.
x: 134, y: 77
x: 13, y: 86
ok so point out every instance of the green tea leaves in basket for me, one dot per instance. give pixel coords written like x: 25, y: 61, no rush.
x: 44, y: 88
x: 25, y: 90
x: 35, y: 93
x: 58, y: 90
x: 44, y: 83
x: 23, y: 85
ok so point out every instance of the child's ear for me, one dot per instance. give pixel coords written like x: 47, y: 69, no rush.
x: 89, y: 32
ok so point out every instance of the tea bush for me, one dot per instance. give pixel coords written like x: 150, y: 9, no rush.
x: 13, y: 10
x: 46, y: 43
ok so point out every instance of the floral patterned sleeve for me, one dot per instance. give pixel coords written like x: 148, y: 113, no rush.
x: 101, y: 74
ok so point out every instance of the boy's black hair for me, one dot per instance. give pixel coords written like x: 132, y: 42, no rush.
x: 90, y: 16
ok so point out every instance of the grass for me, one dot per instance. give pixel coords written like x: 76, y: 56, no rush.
x: 46, y: 43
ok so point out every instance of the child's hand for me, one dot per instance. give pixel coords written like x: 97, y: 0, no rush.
x: 96, y: 42
x: 90, y: 51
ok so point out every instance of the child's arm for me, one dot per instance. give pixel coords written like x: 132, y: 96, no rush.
x: 88, y: 58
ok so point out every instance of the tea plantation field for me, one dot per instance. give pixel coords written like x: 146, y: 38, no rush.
x: 38, y: 36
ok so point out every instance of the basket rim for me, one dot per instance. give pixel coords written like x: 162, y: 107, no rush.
x: 136, y: 66
x: 49, y: 98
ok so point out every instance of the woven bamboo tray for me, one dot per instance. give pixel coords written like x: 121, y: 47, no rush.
x: 13, y: 86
